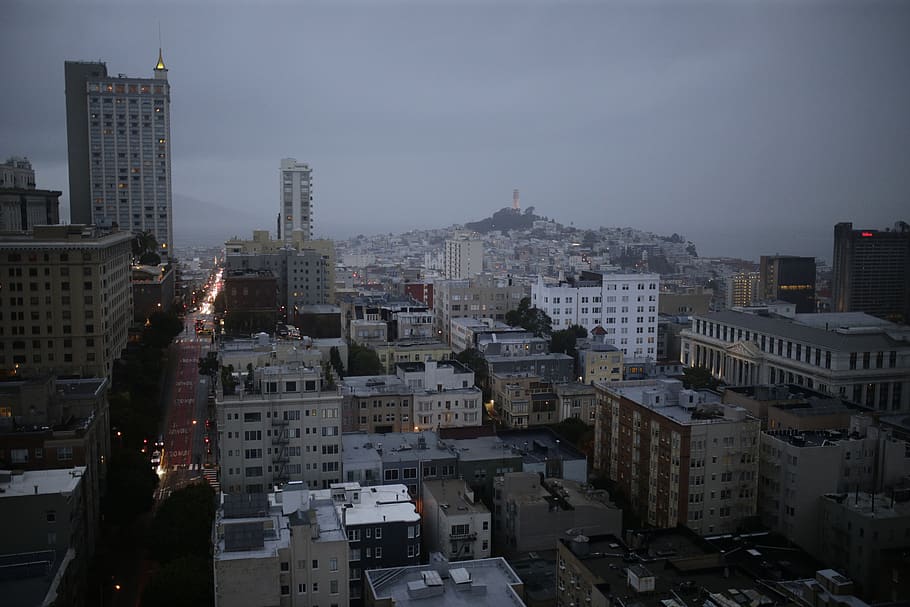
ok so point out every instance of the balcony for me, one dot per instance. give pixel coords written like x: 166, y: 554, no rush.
x: 470, y: 537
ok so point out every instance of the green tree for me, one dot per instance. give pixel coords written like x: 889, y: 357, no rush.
x: 335, y: 360
x: 183, y: 524
x: 531, y: 319
x: 695, y: 378
x: 145, y: 249
x: 228, y: 383
x: 208, y: 365
x: 184, y: 582
x: 161, y: 329
x: 329, y: 383
x: 474, y: 360
x: 131, y: 484
x: 363, y: 361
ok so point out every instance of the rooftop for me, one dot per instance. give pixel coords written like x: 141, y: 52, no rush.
x: 477, y: 583
x: 40, y: 482
x: 877, y: 506
x: 454, y: 493
x: 670, y: 399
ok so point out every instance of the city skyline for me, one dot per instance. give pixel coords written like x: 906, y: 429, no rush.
x: 781, y: 119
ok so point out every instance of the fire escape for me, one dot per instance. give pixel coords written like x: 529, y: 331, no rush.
x: 280, y: 439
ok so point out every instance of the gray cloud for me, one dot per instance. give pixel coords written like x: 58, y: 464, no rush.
x: 750, y: 127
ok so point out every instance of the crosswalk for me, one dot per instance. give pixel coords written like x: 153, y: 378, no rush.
x: 211, y: 475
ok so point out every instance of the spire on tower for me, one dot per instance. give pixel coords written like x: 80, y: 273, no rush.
x: 160, y: 65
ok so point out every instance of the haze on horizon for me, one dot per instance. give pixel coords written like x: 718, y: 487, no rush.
x: 748, y: 127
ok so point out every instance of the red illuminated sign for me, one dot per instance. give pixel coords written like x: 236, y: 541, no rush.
x: 865, y: 234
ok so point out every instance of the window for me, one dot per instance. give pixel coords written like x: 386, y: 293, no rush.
x: 391, y: 475
x: 64, y: 453
x: 315, y: 566
x: 333, y: 564
x: 378, y: 552
x: 333, y: 587
x: 378, y: 534
x: 19, y: 456
x: 252, y: 417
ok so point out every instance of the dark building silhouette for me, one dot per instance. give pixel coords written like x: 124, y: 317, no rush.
x: 872, y: 271
x: 788, y: 278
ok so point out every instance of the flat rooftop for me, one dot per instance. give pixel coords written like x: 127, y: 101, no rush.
x: 395, y: 447
x: 480, y: 583
x: 40, y: 482
x: 454, y: 493
x: 878, y: 506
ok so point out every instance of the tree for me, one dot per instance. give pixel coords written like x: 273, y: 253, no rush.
x: 184, y: 582
x: 531, y: 319
x: 183, y: 524
x: 208, y: 365
x: 228, y: 383
x: 474, y: 360
x: 131, y: 484
x: 363, y: 361
x: 161, y: 329
x: 335, y: 360
x: 329, y: 383
x: 145, y: 249
x: 695, y: 378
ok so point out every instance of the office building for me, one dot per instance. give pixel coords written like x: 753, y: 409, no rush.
x: 153, y: 290
x: 853, y: 355
x: 531, y: 514
x: 118, y: 132
x: 280, y: 425
x: 66, y: 301
x: 872, y: 271
x: 455, y: 524
x: 742, y: 289
x: 44, y: 555
x: 681, y: 457
x: 250, y: 301
x: 462, y: 257
x: 286, y: 548
x: 788, y: 278
x: 624, y: 305
x: 482, y: 583
x: 22, y: 206
x: 296, y: 199
x: 482, y: 296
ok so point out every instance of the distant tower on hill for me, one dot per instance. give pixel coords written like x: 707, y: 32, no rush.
x: 515, y: 205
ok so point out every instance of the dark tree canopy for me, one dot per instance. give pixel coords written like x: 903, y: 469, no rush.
x: 184, y: 582
x: 698, y: 377
x: 131, y: 484
x: 183, y: 524
x: 531, y: 319
x: 363, y: 361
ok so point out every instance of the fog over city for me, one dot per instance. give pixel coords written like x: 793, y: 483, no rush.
x: 749, y: 127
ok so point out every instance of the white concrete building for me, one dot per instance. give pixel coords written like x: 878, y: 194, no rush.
x: 861, y: 358
x: 285, y: 429
x: 119, y: 148
x: 462, y: 257
x: 288, y: 549
x: 455, y: 524
x: 625, y: 305
x: 296, y: 198
x: 444, y: 394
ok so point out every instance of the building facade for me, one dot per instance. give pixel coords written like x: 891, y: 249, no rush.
x: 788, y: 278
x: 455, y: 524
x: 285, y: 427
x: 872, y: 271
x: 119, y: 149
x: 66, y: 301
x: 680, y: 456
x: 21, y: 205
x: 296, y: 198
x: 853, y: 356
x: 482, y: 296
x: 742, y: 289
x: 624, y: 305
x: 462, y: 258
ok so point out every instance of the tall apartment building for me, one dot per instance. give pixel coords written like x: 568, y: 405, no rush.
x: 22, y: 206
x: 872, y: 271
x: 462, y: 257
x: 287, y: 548
x: 788, y: 278
x: 304, y: 269
x: 680, y: 456
x: 118, y: 132
x: 66, y: 301
x: 856, y: 356
x: 742, y: 289
x: 482, y: 296
x: 624, y: 305
x: 296, y: 199
x: 286, y: 428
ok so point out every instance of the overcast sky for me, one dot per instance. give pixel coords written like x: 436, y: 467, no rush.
x: 749, y: 126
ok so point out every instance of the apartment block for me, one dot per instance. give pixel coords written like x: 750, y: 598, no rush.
x: 118, y: 132
x: 624, y: 305
x: 296, y: 210
x: 392, y: 354
x: 793, y: 407
x: 522, y: 400
x: 576, y: 400
x: 600, y: 362
x: 679, y: 456
x: 462, y: 257
x: 855, y: 356
x: 531, y: 513
x: 287, y: 548
x: 282, y: 427
x: 455, y: 524
x: 742, y: 289
x: 22, y: 206
x: 482, y: 296
x: 44, y: 552
x: 153, y: 290
x: 66, y: 301
x: 468, y: 332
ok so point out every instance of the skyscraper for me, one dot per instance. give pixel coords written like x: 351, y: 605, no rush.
x: 118, y: 142
x: 296, y: 198
x: 788, y: 278
x: 872, y: 271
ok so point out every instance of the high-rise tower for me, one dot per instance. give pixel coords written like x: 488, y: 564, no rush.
x: 516, y: 206
x: 872, y: 271
x: 296, y: 198
x: 118, y: 133
x: 788, y: 278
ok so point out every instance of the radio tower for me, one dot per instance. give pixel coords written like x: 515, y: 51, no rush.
x: 515, y: 205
